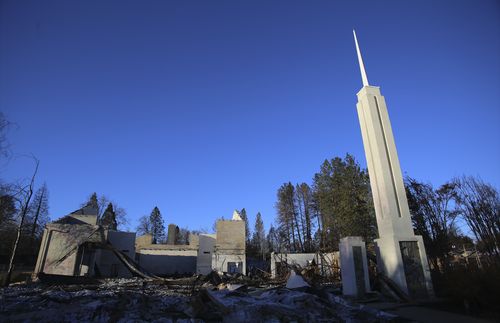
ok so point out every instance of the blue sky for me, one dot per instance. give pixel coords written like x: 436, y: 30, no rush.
x: 202, y: 107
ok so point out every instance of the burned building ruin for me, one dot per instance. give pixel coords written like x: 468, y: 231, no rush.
x: 76, y: 245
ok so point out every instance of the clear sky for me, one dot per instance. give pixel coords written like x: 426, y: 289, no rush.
x: 202, y: 107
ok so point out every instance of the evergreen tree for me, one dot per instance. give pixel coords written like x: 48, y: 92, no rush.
x: 244, y: 217
x: 108, y: 218
x: 93, y: 201
x: 343, y: 200
x: 7, y: 209
x: 305, y: 207
x: 39, y: 212
x: 259, y: 237
x: 101, y: 203
x: 272, y: 241
x: 248, y: 237
x: 157, y: 226
x: 288, y: 218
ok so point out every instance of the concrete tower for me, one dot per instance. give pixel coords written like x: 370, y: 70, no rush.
x: 400, y: 253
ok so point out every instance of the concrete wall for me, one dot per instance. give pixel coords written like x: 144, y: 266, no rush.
x: 57, y: 249
x: 89, y: 219
x: 143, y: 241
x: 230, y: 237
x: 229, y: 246
x: 205, y: 251
x: 220, y: 262
x: 194, y: 240
x: 168, y: 261
x: 78, y: 245
x: 62, y: 241
x: 107, y: 262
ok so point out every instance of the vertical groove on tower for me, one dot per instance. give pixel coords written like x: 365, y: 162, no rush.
x: 388, y: 157
x: 369, y: 161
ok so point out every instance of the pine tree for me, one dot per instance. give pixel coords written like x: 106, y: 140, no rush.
x: 305, y: 207
x: 259, y: 237
x: 287, y: 218
x: 157, y: 226
x: 39, y: 212
x: 100, y: 203
x: 244, y: 217
x: 272, y: 241
x: 7, y: 209
x: 93, y: 201
x: 108, y: 218
x: 343, y: 199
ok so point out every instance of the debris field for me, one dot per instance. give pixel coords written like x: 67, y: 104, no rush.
x: 210, y: 298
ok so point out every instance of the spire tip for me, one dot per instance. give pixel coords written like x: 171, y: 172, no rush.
x: 360, y: 60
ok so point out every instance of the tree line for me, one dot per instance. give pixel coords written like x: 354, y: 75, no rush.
x: 339, y: 203
x: 23, y: 212
x: 309, y: 217
x: 315, y: 217
x: 464, y: 211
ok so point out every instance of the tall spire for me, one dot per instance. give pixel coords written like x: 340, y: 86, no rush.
x: 360, y: 59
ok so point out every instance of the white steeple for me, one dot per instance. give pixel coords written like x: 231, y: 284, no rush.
x: 401, y: 254
x: 360, y: 59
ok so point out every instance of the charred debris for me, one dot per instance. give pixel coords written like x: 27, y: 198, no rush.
x: 90, y: 272
x: 300, y: 295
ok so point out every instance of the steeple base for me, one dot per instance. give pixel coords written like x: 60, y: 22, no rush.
x: 404, y: 261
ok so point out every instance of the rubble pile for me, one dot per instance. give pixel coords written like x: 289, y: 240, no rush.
x: 193, y: 299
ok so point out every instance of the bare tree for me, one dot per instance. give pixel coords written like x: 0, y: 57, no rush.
x: 145, y: 226
x: 182, y: 237
x: 25, y: 204
x: 214, y: 226
x: 480, y: 208
x: 4, y: 145
x: 434, y: 213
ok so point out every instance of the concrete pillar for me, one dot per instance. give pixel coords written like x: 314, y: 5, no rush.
x: 173, y: 231
x: 354, y: 267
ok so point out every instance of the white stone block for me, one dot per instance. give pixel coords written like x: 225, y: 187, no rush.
x: 355, y: 280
